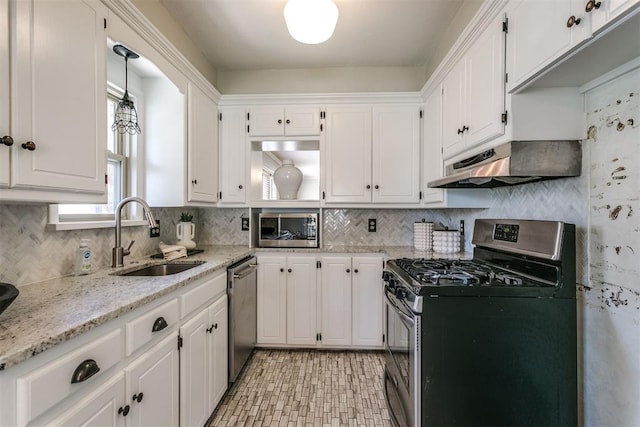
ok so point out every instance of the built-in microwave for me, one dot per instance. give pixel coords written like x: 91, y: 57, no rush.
x: 288, y: 230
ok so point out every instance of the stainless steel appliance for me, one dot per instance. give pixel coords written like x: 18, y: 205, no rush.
x: 288, y: 230
x: 487, y: 341
x: 243, y: 306
x: 515, y: 162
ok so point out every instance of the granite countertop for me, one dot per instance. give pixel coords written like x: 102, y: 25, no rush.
x: 40, y: 317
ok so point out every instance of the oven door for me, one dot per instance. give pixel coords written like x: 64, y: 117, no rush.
x: 402, y: 373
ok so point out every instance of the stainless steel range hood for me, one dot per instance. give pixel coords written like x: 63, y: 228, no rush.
x: 515, y: 162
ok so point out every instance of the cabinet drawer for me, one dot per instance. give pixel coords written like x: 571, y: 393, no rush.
x: 44, y: 387
x: 203, y: 293
x: 150, y: 325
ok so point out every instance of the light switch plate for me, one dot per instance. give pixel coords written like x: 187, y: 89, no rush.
x: 372, y: 225
x: 155, y: 231
x: 245, y: 224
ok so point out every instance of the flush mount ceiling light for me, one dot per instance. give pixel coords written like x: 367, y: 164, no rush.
x: 126, y: 116
x: 311, y: 21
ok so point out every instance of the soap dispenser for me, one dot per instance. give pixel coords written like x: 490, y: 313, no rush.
x: 83, y: 258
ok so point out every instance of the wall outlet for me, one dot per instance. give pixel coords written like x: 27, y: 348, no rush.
x: 245, y: 224
x: 372, y: 225
x: 155, y: 231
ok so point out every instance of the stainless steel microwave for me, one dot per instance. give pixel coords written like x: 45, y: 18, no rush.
x: 288, y: 230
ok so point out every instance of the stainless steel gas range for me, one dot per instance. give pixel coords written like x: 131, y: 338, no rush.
x: 489, y: 341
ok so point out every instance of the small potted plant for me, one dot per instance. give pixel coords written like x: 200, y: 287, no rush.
x: 186, y: 231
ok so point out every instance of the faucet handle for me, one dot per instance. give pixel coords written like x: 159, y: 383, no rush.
x: 128, y: 250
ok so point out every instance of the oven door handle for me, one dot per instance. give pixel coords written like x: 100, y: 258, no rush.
x: 408, y: 320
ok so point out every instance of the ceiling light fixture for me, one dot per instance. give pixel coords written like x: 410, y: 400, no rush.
x: 311, y: 21
x: 126, y: 116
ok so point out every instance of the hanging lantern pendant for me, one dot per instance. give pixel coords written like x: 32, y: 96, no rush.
x: 126, y: 116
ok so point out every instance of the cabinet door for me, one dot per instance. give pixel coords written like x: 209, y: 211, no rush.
x: 203, y: 147
x: 272, y: 300
x: 538, y: 34
x: 432, y: 147
x: 347, y: 154
x: 396, y: 154
x: 233, y: 160
x: 302, y: 121
x: 218, y: 351
x: 453, y: 110
x: 266, y: 121
x: 98, y: 409
x: 194, y: 371
x: 608, y: 11
x: 4, y: 93
x: 58, y: 102
x: 153, y: 379
x: 335, y: 287
x: 368, y: 307
x: 301, y: 300
x: 485, y: 86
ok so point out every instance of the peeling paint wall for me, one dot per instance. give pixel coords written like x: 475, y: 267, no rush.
x: 611, y: 310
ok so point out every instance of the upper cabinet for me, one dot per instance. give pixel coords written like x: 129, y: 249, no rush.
x: 233, y: 155
x: 202, y: 146
x: 371, y: 154
x: 55, y: 138
x: 473, y: 94
x: 284, y: 121
x: 605, y: 11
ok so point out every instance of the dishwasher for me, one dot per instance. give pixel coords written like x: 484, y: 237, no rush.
x: 243, y: 307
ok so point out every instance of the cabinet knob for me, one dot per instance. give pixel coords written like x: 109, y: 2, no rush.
x: 210, y: 329
x: 29, y: 145
x: 573, y: 21
x: 355, y: 270
x: 348, y: 270
x: 240, y: 186
x: 138, y: 397
x: 124, y: 410
x: 368, y: 187
x: 288, y: 121
x: 279, y: 121
x: 289, y: 270
x: 85, y: 370
x: 282, y: 270
x: 460, y: 131
x: 377, y: 187
x: 6, y: 140
x: 592, y: 5
x: 465, y: 128
x: 159, y: 324
x: 194, y: 182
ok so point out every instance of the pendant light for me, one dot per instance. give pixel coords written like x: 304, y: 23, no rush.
x: 311, y: 21
x: 126, y: 117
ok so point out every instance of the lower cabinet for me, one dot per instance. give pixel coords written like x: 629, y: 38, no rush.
x: 203, y: 363
x: 324, y: 300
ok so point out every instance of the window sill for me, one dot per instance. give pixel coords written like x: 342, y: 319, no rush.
x: 87, y: 225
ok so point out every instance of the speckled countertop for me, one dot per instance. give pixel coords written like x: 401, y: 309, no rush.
x: 40, y: 317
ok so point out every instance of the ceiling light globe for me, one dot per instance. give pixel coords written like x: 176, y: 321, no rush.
x: 311, y: 21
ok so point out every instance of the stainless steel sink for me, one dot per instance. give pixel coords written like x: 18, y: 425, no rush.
x: 164, y: 269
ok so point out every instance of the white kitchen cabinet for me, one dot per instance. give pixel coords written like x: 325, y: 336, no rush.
x: 284, y: 121
x: 540, y: 32
x: 152, y: 385
x: 604, y: 12
x: 203, y: 363
x: 396, y: 154
x: 335, y: 287
x: 57, y: 108
x: 473, y: 95
x: 272, y: 299
x: 103, y: 408
x: 301, y: 300
x: 233, y: 155
x: 202, y: 146
x: 368, y: 308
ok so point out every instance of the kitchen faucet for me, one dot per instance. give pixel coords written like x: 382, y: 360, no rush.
x: 118, y: 252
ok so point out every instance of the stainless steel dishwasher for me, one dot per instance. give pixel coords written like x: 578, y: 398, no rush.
x: 243, y: 306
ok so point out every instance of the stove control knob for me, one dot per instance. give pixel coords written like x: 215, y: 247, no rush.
x: 401, y: 294
x: 385, y: 276
x: 392, y: 283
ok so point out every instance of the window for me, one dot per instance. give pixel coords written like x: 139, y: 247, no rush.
x: 268, y: 191
x: 120, y: 170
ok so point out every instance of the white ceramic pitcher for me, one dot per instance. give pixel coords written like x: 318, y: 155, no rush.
x: 186, y: 231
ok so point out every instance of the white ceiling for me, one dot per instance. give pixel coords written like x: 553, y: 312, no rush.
x: 252, y: 35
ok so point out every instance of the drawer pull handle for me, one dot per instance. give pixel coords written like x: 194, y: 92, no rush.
x: 6, y: 140
x: 84, y: 371
x: 29, y: 145
x: 124, y: 411
x: 159, y: 324
x: 138, y: 397
x: 214, y: 326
